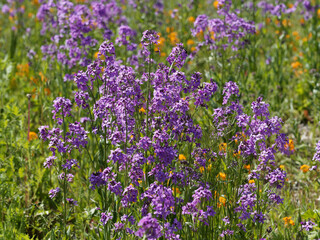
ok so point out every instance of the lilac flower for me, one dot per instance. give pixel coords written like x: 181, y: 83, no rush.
x: 149, y: 37
x: 316, y: 156
x: 276, y: 178
x: 114, y: 187
x: 118, y: 226
x: 307, y: 225
x: 129, y: 196
x: 96, y: 180
x: 107, y: 48
x: 205, y: 93
x: 77, y: 136
x: 70, y: 163
x: 161, y: 200
x: 177, y: 56
x: 144, y: 143
x: 149, y: 227
x: 54, y: 192
x: 226, y: 233
x: 260, y: 108
x: 69, y: 177
x: 72, y: 201
x: 44, y: 133
x: 62, y: 106
x: 226, y: 220
x: 105, y: 217
x: 200, y: 24
x: 260, y: 217
x: 125, y: 33
x: 49, y: 161
x: 81, y: 99
x: 230, y: 88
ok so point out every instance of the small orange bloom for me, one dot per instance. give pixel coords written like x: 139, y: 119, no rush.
x: 222, y: 200
x: 247, y: 167
x: 141, y: 110
x: 182, y: 157
x: 304, y: 168
x: 222, y: 147
x: 32, y: 136
x: 288, y: 220
x: 222, y: 176
x: 176, y: 190
x: 296, y: 65
x: 217, y: 5
x: 191, y: 19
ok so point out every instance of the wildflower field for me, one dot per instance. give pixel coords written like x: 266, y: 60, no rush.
x: 156, y: 119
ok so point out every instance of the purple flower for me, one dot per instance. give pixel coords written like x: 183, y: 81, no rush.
x: 177, y: 56
x: 316, y: 156
x: 307, y: 225
x: 129, y: 196
x: 226, y: 233
x: 44, y: 133
x: 200, y: 24
x: 149, y: 37
x: 49, y: 161
x: 70, y: 163
x: 260, y: 108
x: 54, y: 192
x: 230, y: 88
x: 205, y: 93
x: 72, y: 201
x: 105, y: 217
x: 118, y: 226
x: 126, y: 37
x: 144, y: 143
x: 149, y: 227
x: 62, y: 106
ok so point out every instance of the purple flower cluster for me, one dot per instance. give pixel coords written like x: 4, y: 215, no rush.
x: 307, y: 225
x: 150, y: 150
x: 277, y: 9
x: 70, y: 28
x: 231, y: 31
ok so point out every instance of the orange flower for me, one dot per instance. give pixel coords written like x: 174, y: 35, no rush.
x: 217, y: 5
x: 32, y: 136
x: 190, y: 42
x: 222, y: 176
x: 247, y: 167
x: 304, y: 168
x: 160, y: 42
x: 47, y: 91
x: 212, y: 35
x: 296, y: 65
x: 43, y: 78
x: 182, y: 157
x: 98, y: 54
x: 289, y: 145
x: 173, y: 36
x: 141, y: 110
x: 23, y: 70
x: 222, y: 147
x: 251, y: 181
x: 288, y: 220
x: 176, y: 190
x: 222, y: 200
x: 191, y: 19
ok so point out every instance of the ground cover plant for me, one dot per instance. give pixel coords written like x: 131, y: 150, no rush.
x: 125, y: 119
